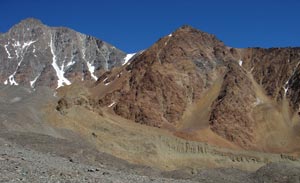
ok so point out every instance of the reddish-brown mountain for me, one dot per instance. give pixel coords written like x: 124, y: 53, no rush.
x: 192, y: 84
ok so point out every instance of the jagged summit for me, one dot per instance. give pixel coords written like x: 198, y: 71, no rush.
x: 31, y: 20
x: 34, y: 54
x: 27, y: 24
x: 187, y: 30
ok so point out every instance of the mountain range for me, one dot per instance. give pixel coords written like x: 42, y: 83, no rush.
x: 188, y: 102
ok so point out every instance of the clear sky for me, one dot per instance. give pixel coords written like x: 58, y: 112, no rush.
x: 133, y: 25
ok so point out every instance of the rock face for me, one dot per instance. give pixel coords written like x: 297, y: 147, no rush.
x: 33, y: 54
x: 275, y: 70
x: 159, y: 84
x: 230, y: 116
x: 190, y: 81
x: 259, y: 100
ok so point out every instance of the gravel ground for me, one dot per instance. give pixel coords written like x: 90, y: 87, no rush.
x: 19, y: 164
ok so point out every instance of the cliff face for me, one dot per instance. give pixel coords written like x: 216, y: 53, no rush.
x: 158, y: 85
x: 275, y: 70
x: 258, y: 104
x: 192, y: 84
x: 33, y: 54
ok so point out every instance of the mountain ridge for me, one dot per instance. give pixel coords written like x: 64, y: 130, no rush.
x: 85, y: 55
x: 187, y: 103
x: 220, y: 91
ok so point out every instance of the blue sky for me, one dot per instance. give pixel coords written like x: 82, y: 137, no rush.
x: 133, y: 25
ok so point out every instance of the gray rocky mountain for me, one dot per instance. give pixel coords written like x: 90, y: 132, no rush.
x: 33, y: 54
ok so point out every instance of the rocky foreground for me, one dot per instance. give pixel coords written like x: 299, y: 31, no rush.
x: 19, y: 164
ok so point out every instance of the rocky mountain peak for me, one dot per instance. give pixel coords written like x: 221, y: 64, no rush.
x: 188, y: 43
x: 157, y: 86
x: 26, y: 25
x: 34, y: 54
x: 203, y: 37
x: 30, y: 21
x: 191, y: 83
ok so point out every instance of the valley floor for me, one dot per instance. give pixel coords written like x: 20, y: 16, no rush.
x: 81, y: 147
x: 20, y: 164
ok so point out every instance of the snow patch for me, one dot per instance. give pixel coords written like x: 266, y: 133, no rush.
x: 5, y: 82
x: 113, y: 103
x: 286, y: 87
x: 128, y: 57
x: 17, y: 44
x: 170, y: 35
x: 34, y: 80
x: 11, y: 79
x: 104, y: 81
x: 19, y: 52
x: 71, y: 63
x: 92, y: 70
x: 27, y: 44
x: 285, y: 90
x: 240, y: 62
x: 9, y: 56
x: 89, y: 65
x: 19, y: 49
x: 59, y: 71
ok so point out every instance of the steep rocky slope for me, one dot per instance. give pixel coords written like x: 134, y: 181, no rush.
x: 257, y: 106
x: 189, y: 82
x: 161, y: 82
x: 34, y: 54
